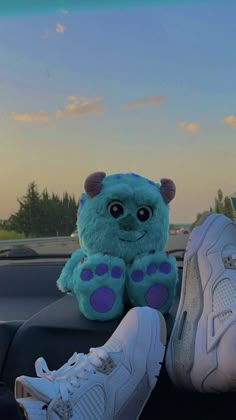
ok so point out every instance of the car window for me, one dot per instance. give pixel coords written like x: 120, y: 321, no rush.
x: 145, y: 87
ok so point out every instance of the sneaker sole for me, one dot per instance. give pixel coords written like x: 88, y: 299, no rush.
x: 158, y: 333
x: 158, y: 350
x: 32, y: 408
x: 182, y: 343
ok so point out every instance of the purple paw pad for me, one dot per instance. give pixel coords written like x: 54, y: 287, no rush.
x: 86, y: 274
x: 101, y: 269
x: 152, y: 268
x: 116, y: 272
x: 102, y: 299
x: 156, y: 296
x: 165, y: 267
x: 137, y: 275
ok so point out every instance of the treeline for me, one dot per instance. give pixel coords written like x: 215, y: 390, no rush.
x: 42, y: 214
x: 222, y: 204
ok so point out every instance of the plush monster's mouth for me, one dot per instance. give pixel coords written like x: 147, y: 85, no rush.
x: 131, y: 236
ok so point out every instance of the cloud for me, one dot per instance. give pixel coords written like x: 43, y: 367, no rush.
x: 60, y: 28
x: 149, y: 100
x: 77, y: 107
x: 73, y: 98
x: 27, y: 118
x: 80, y: 106
x: 230, y: 120
x: 190, y: 127
x: 64, y: 11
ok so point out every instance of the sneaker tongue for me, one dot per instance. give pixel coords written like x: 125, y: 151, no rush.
x: 112, y: 346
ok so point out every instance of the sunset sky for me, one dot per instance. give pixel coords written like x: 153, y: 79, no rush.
x: 147, y: 89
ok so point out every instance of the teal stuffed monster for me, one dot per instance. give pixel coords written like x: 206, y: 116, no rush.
x: 123, y: 224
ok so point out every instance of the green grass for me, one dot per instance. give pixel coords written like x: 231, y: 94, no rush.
x: 10, y: 234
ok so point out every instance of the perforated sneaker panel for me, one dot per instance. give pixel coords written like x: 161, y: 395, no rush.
x: 224, y: 295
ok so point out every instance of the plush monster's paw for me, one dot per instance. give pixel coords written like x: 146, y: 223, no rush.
x: 152, y: 281
x: 99, y: 287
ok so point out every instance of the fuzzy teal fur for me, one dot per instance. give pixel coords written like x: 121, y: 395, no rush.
x: 123, y: 229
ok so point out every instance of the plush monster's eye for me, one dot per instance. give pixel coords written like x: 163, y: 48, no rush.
x: 116, y: 209
x: 144, y: 213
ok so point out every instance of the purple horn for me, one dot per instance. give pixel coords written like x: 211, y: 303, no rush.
x: 93, y: 183
x: 167, y: 189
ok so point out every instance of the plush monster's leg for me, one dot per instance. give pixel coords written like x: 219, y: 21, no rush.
x: 65, y: 281
x: 98, y: 284
x: 152, y: 281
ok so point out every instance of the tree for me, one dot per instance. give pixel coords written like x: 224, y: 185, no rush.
x: 219, y: 202
x: 44, y: 215
x: 27, y: 218
x: 198, y: 217
x: 228, y: 210
x: 222, y: 205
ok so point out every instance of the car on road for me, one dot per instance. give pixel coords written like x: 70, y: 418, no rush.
x: 74, y: 235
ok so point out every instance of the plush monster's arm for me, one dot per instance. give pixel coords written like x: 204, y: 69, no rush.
x: 65, y: 280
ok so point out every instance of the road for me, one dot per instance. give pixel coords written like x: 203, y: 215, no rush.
x: 67, y: 245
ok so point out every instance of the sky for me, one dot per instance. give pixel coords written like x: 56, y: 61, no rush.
x: 148, y: 89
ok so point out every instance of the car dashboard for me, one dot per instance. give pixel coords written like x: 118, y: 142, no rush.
x: 38, y: 320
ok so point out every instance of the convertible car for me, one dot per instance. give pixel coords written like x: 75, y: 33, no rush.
x: 38, y: 320
x: 112, y: 85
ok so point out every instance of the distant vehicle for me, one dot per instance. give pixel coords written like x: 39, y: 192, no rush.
x: 74, y: 235
x: 182, y: 230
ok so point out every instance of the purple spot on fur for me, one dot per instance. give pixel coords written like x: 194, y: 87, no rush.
x: 165, y: 267
x: 156, y: 296
x: 151, y: 182
x: 116, y: 272
x: 101, y: 269
x: 152, y: 268
x: 137, y: 275
x: 134, y: 174
x: 86, y: 274
x: 102, y: 299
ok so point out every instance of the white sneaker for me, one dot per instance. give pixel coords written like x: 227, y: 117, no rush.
x: 24, y: 383
x: 201, y: 353
x: 33, y: 409
x: 111, y: 382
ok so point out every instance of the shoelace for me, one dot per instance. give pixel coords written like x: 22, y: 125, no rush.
x: 79, y: 366
x: 43, y: 371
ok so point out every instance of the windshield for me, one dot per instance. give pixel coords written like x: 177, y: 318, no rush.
x: 144, y: 87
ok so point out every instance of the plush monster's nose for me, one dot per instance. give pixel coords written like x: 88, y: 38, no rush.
x: 128, y: 223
